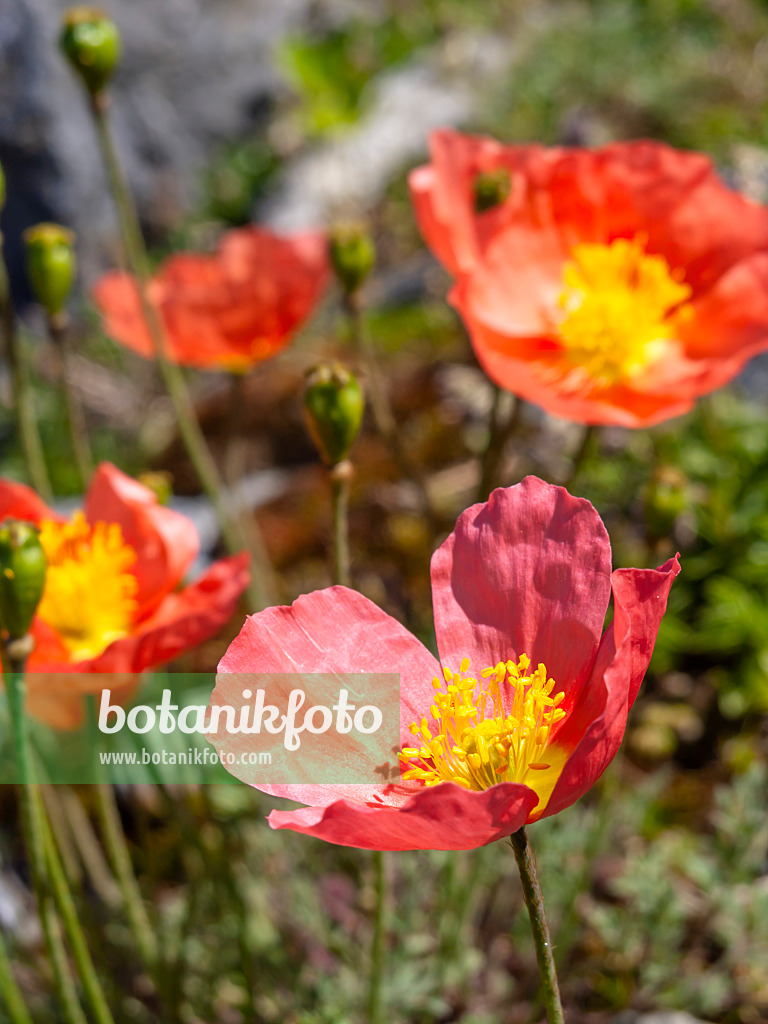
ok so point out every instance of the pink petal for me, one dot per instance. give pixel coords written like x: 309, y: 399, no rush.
x: 527, y: 573
x: 596, y: 725
x: 335, y: 631
x: 444, y: 817
x: 166, y: 542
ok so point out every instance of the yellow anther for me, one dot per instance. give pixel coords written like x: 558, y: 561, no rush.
x: 489, y: 729
x: 621, y: 308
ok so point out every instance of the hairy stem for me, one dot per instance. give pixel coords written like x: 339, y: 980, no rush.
x: 534, y: 901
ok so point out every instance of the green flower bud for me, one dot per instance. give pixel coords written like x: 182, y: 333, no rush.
x: 91, y: 43
x: 51, y: 264
x: 22, y: 576
x: 352, y: 255
x: 159, y: 481
x: 333, y: 408
x: 492, y: 188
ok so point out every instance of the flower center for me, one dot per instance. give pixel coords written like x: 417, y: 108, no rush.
x: 620, y: 306
x: 479, y: 738
x: 90, y: 594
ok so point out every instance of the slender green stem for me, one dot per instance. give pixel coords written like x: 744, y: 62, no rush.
x: 119, y: 855
x: 234, y: 468
x: 383, y: 416
x: 23, y: 400
x: 58, y: 328
x: 504, y: 423
x: 375, y: 1001
x: 32, y: 823
x: 65, y: 905
x: 340, y: 478
x: 120, y: 861
x: 534, y: 901
x: 173, y: 378
x: 11, y: 993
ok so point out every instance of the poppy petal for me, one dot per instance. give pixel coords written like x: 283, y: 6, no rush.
x: 596, y: 725
x: 444, y: 817
x: 527, y: 573
x: 166, y: 542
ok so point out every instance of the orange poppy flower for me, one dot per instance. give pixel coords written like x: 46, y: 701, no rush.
x: 113, y: 600
x: 609, y: 286
x: 225, y: 311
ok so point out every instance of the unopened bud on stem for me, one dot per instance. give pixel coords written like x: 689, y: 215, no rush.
x: 333, y: 408
x: 352, y: 255
x: 22, y: 576
x: 91, y: 43
x: 51, y: 264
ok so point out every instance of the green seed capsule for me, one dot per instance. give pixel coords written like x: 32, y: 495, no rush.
x: 492, y: 188
x: 91, y: 43
x: 333, y: 407
x: 352, y: 255
x: 51, y: 264
x: 22, y: 576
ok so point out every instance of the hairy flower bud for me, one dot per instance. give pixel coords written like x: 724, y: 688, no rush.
x: 333, y: 408
x: 91, y: 43
x: 492, y: 188
x: 22, y: 576
x: 51, y: 264
x: 352, y: 255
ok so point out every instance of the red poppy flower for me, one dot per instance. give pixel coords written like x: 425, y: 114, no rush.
x: 611, y: 286
x: 530, y: 701
x: 112, y: 602
x: 226, y: 311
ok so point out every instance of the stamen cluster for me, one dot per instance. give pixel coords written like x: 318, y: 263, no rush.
x: 488, y: 730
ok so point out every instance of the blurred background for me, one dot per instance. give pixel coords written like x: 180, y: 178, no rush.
x: 294, y: 114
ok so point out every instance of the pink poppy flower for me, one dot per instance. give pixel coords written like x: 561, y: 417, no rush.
x: 539, y: 692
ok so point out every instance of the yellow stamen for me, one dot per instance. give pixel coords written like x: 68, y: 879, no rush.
x: 90, y: 593
x: 621, y: 308
x: 493, y: 730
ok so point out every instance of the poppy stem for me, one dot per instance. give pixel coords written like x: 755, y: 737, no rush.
x: 534, y: 901
x: 119, y: 855
x: 36, y: 840
x: 234, y: 470
x: 259, y: 591
x: 340, y: 477
x: 375, y: 1001
x: 503, y: 425
x: 58, y: 329
x: 12, y: 997
x: 29, y: 434
x: 383, y: 417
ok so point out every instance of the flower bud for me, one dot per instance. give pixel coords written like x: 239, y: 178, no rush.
x: 22, y: 576
x: 160, y: 483
x: 51, y: 264
x: 492, y: 188
x: 352, y: 255
x: 91, y: 43
x: 333, y: 408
